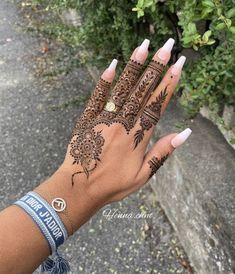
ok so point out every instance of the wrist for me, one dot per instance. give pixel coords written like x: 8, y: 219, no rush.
x: 80, y: 206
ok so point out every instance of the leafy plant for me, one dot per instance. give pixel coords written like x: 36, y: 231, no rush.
x: 211, y: 81
x: 113, y: 28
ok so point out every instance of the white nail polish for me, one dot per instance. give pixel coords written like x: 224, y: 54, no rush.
x: 113, y: 64
x: 180, y: 138
x: 166, y: 49
x: 144, y: 46
x: 177, y: 67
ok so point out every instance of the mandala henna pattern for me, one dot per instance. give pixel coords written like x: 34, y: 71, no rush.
x: 156, y: 163
x: 121, y: 91
x: 138, y: 98
x: 86, y: 144
x: 86, y: 148
x: 150, y: 116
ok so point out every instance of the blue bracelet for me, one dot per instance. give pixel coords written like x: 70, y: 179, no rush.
x: 51, y: 227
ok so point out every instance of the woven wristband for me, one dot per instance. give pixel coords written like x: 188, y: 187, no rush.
x: 51, y: 227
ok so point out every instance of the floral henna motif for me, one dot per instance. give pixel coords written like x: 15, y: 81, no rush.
x: 150, y: 116
x: 86, y: 148
x: 156, y: 163
x: 86, y: 144
x: 121, y: 91
x: 94, y: 106
x: 141, y: 93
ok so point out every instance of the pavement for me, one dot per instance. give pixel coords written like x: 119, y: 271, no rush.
x: 36, y: 119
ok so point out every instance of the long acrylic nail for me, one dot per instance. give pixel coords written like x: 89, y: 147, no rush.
x: 109, y: 73
x: 113, y: 65
x: 180, y: 138
x: 142, y: 51
x: 165, y: 50
x: 177, y: 67
x: 144, y: 46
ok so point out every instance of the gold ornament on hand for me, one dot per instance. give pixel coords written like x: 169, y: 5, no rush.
x: 110, y: 106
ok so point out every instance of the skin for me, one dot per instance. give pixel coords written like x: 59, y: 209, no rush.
x: 114, y: 178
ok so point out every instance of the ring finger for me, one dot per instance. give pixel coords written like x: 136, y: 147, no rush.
x: 157, y: 103
x: 125, y: 83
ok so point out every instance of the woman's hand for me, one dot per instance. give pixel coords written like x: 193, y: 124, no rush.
x: 106, y: 159
x: 107, y: 153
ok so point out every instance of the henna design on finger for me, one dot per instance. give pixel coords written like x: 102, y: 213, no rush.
x: 150, y: 116
x: 156, y: 163
x: 86, y: 144
x: 126, y: 82
x: 141, y: 93
x: 121, y: 91
x: 93, y: 107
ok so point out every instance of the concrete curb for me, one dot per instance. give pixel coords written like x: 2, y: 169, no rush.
x: 195, y: 188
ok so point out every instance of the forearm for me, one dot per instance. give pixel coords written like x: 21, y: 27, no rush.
x: 23, y: 246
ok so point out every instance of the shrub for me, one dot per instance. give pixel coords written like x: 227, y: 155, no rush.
x: 113, y: 28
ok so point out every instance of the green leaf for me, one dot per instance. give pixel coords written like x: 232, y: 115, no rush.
x: 220, y: 26
x: 206, y: 11
x: 228, y: 22
x: 153, y: 8
x: 140, y: 3
x: 148, y: 3
x: 187, y: 39
x: 140, y: 13
x: 210, y: 42
x: 232, y: 29
x: 219, y: 11
x: 230, y: 13
x: 232, y: 141
x: 208, y: 3
x: 206, y: 36
x: 200, y: 79
x: 192, y: 28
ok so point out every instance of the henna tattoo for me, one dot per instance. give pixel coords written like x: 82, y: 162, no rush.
x: 126, y: 82
x: 121, y: 91
x: 86, y: 144
x: 141, y: 93
x: 86, y: 148
x: 150, y: 116
x: 93, y: 107
x: 156, y: 163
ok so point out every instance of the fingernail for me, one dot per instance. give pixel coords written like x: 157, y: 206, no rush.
x: 144, y: 46
x: 113, y: 65
x: 180, y: 138
x: 164, y: 51
x: 109, y: 73
x: 142, y: 51
x: 177, y: 67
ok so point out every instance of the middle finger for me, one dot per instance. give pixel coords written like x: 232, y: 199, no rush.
x: 128, y: 115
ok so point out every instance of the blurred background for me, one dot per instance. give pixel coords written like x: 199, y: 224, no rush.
x: 51, y: 54
x: 203, y: 30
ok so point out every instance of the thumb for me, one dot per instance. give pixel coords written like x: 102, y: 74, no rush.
x: 155, y: 158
